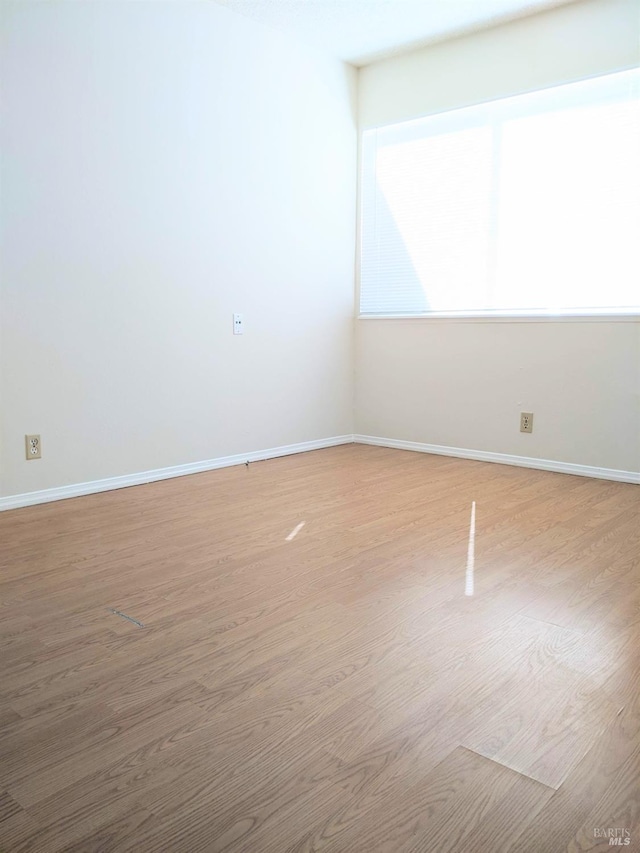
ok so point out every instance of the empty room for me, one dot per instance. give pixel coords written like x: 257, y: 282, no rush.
x: 319, y: 426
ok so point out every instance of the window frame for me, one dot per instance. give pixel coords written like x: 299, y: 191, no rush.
x: 614, y: 314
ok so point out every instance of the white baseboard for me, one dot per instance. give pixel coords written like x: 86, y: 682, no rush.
x: 78, y: 489
x: 504, y: 459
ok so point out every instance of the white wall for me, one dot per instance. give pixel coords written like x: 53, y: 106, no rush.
x: 164, y: 165
x: 462, y: 384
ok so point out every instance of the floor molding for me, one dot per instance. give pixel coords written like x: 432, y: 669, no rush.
x: 93, y: 487
x: 504, y: 459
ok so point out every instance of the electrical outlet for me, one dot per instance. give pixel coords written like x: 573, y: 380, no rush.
x: 33, y: 446
x: 526, y: 421
x: 238, y: 324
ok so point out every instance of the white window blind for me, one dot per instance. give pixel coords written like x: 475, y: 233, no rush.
x: 529, y: 205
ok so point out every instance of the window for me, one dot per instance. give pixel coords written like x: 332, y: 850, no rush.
x: 528, y: 205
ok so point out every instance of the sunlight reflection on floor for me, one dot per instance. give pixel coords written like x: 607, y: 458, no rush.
x: 468, y: 584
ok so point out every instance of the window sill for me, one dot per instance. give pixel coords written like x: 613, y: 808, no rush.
x: 513, y: 317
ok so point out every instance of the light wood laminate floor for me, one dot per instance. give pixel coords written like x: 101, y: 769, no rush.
x: 330, y: 657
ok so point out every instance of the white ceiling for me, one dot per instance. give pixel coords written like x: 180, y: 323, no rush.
x: 362, y: 31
